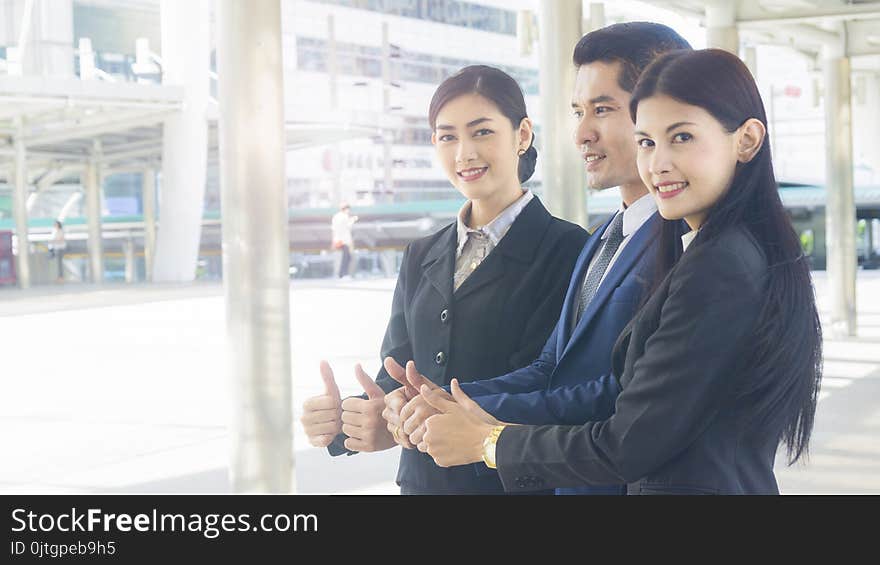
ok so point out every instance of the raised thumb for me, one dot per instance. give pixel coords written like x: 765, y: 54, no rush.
x: 330, y: 388
x: 463, y: 399
x: 369, y: 385
x: 417, y: 379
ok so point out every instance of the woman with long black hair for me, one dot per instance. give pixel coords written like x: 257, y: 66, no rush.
x: 723, y: 363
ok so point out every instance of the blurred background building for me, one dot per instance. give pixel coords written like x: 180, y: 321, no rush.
x: 359, y: 77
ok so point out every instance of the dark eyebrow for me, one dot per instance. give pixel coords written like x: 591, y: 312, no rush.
x: 679, y: 124
x: 602, y: 98
x: 469, y: 124
x: 670, y: 128
x: 478, y: 121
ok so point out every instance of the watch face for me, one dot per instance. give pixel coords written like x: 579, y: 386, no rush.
x: 489, y: 452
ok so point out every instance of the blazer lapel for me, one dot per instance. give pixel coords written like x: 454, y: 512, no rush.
x: 624, y: 263
x: 491, y: 269
x: 574, y: 286
x: 439, y: 263
x: 518, y: 246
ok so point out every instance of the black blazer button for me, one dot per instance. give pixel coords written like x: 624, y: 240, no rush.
x: 440, y: 359
x: 444, y: 316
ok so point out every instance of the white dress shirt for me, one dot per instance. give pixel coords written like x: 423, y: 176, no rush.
x: 497, y: 228
x: 634, y: 217
x: 475, y: 244
x: 687, y: 238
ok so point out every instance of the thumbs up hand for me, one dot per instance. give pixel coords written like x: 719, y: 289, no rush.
x: 373, y: 390
x: 418, y: 410
x: 399, y: 374
x: 455, y: 435
x: 362, y: 418
x: 322, y: 415
x: 396, y: 400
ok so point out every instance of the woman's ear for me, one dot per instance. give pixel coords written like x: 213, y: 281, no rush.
x: 751, y: 137
x: 433, y: 138
x: 525, y: 133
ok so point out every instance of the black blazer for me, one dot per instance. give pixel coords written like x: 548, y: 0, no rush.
x: 497, y: 321
x: 679, y: 423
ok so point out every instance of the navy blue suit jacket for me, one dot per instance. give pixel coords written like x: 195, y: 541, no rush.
x: 571, y: 382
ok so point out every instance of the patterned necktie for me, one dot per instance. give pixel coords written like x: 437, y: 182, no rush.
x: 591, y: 281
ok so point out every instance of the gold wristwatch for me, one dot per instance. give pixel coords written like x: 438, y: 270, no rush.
x: 489, y: 446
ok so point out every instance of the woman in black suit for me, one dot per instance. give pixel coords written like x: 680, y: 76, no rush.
x: 723, y: 362
x: 478, y: 298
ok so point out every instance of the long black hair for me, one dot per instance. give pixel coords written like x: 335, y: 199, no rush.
x: 635, y: 45
x: 499, y: 88
x: 787, y: 359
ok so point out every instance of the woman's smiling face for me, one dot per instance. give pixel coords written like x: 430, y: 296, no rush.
x: 477, y: 147
x: 685, y: 157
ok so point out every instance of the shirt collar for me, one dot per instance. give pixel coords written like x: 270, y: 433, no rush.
x: 635, y: 215
x: 497, y: 228
x: 687, y: 238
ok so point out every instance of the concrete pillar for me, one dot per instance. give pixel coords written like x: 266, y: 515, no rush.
x: 148, y: 199
x: 721, y: 29
x: 45, y: 46
x: 52, y: 53
x: 332, y: 62
x: 840, y: 211
x: 186, y: 61
x: 92, y: 184
x: 8, y: 23
x: 128, y: 253
x: 255, y: 243
x: 597, y: 17
x: 333, y: 76
x: 564, y: 190
x: 751, y: 60
x: 19, y: 208
x: 866, y: 116
x: 869, y: 239
x: 387, y: 134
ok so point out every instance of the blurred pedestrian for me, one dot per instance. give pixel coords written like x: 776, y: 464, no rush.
x: 342, y: 239
x: 57, y: 245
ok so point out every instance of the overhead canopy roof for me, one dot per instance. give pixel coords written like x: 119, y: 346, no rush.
x: 63, y: 118
x: 803, y: 24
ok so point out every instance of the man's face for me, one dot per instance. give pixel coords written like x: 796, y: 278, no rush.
x: 604, y: 131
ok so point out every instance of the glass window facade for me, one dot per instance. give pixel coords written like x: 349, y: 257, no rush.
x: 451, y: 12
x: 361, y: 60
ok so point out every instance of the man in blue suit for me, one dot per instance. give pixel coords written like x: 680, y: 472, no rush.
x: 571, y: 382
